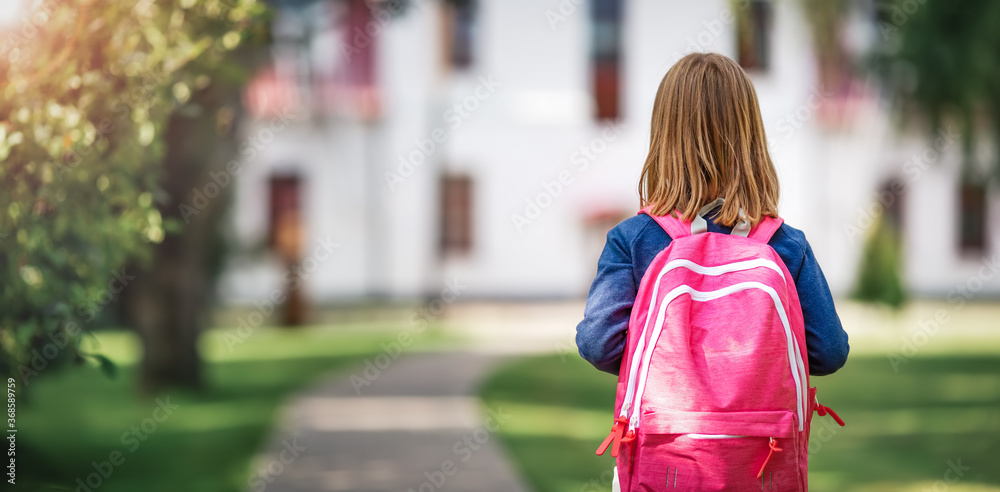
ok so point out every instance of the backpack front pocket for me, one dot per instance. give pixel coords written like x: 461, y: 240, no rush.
x: 710, y: 462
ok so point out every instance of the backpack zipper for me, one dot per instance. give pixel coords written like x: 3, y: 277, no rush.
x: 712, y: 436
x: 714, y: 271
x: 795, y: 360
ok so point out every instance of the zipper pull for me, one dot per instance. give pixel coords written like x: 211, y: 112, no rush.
x: 823, y: 410
x: 616, y: 437
x: 773, y: 444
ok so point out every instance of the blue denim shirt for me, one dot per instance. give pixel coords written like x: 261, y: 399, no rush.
x: 631, y: 247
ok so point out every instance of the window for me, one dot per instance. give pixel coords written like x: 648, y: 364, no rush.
x: 972, y: 218
x: 456, y: 215
x: 285, y: 218
x: 286, y: 233
x: 359, y: 69
x: 606, y: 48
x: 459, y: 22
x: 343, y: 58
x: 753, y: 35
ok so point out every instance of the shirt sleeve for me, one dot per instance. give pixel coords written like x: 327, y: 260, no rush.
x: 601, y: 335
x: 826, y: 340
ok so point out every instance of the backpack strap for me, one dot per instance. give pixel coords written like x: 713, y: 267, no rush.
x: 675, y: 228
x: 765, y: 229
x: 678, y: 228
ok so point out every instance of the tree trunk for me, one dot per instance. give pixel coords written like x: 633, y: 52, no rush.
x: 168, y: 311
x: 170, y: 300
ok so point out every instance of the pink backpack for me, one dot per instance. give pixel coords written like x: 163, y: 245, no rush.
x: 714, y: 390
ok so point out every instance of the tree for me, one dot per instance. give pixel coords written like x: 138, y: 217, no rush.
x: 939, y: 63
x: 880, y: 274
x: 89, y: 90
x: 170, y: 300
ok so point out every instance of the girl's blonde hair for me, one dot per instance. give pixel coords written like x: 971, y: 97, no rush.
x: 707, y: 141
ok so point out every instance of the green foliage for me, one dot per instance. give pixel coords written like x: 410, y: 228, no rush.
x: 880, y: 277
x: 87, y: 89
x: 940, y: 60
x: 208, y: 443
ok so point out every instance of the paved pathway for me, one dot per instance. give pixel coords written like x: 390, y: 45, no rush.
x: 417, y: 427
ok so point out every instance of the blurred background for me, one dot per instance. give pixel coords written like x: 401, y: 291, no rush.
x: 336, y: 245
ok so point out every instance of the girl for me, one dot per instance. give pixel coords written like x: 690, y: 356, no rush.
x: 706, y: 141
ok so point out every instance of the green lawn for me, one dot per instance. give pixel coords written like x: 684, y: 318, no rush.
x: 74, y: 417
x: 902, y: 429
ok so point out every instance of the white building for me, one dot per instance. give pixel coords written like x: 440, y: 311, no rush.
x: 461, y: 143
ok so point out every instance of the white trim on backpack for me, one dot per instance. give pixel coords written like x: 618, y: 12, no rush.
x: 737, y: 266
x: 694, y: 267
x: 796, y: 365
x: 712, y: 436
